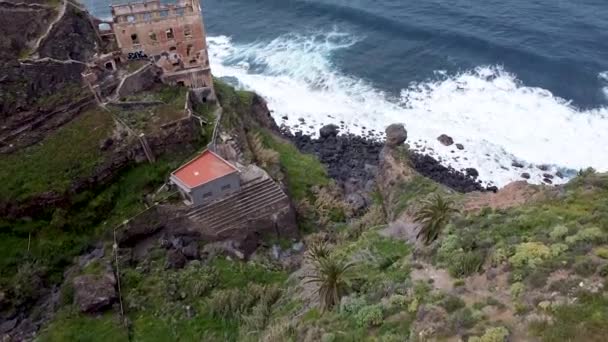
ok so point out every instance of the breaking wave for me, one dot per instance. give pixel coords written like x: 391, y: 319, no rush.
x: 496, y: 117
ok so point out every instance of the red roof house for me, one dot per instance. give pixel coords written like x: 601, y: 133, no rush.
x: 206, y: 178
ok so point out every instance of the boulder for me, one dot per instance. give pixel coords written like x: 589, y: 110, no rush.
x: 517, y: 164
x: 460, y: 146
x: 191, y: 251
x: 8, y: 325
x: 525, y: 175
x: 330, y: 130
x: 559, y: 174
x: 472, y: 172
x: 94, y: 293
x: 106, y: 144
x: 395, y: 135
x: 548, y: 175
x: 175, y: 259
x: 547, y: 180
x: 356, y: 201
x: 445, y: 140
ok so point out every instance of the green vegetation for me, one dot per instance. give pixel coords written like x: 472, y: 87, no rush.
x: 53, y: 164
x: 433, y: 216
x: 84, y: 328
x: 359, y: 280
x: 331, y: 277
x: 415, y: 189
x: 235, y: 103
x: 303, y: 171
x: 149, y: 119
x: 586, y: 320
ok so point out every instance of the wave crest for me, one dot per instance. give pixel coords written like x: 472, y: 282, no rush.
x: 488, y: 109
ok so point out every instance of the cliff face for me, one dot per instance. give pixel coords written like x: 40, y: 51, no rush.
x: 22, y: 22
x: 38, y: 94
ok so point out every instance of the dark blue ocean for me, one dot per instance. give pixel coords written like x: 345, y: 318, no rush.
x: 523, y: 80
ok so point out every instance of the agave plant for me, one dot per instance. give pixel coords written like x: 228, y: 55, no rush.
x: 433, y: 216
x: 332, y: 277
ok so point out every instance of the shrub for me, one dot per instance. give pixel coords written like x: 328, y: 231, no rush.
x: 592, y: 234
x: 413, y: 307
x: 433, y: 216
x: 498, y: 334
x: 452, y: 303
x: 558, y: 232
x: 328, y: 337
x: 603, y: 270
x: 465, y: 264
x: 517, y: 289
x: 601, y: 252
x: 462, y: 319
x: 529, y: 254
x: 27, y: 282
x: 499, y: 256
x: 558, y: 248
x: 585, y: 268
x: 267, y: 158
x: 398, y: 301
x: 449, y: 244
x: 368, y: 316
x: 352, y: 304
x: 538, y: 278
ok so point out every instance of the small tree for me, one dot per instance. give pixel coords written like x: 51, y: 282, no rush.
x: 331, y: 275
x: 318, y: 252
x: 433, y: 216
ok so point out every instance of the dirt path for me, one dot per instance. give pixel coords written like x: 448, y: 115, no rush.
x: 62, y: 9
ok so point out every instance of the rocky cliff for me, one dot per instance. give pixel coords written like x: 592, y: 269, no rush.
x: 40, y: 82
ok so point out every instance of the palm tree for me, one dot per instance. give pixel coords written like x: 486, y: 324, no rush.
x: 331, y: 275
x: 318, y: 251
x: 433, y: 216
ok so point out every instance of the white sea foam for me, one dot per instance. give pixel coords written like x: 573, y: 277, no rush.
x: 604, y: 77
x: 488, y: 110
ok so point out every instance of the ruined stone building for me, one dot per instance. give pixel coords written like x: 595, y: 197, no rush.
x: 172, y: 35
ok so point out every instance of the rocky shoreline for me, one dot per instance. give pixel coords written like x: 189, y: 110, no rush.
x: 352, y: 160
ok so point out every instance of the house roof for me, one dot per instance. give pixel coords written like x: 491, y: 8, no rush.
x: 203, y: 169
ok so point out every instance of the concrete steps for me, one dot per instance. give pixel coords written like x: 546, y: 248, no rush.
x: 256, y: 199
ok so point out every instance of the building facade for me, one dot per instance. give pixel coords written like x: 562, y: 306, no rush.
x: 206, y: 178
x: 171, y: 35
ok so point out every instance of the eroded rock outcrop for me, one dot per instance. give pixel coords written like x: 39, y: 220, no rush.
x: 94, y: 293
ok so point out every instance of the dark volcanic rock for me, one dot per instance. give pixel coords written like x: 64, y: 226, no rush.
x: 543, y: 167
x: 395, y: 135
x: 175, y: 259
x: 191, y: 251
x: 460, y: 146
x: 559, y: 174
x: 472, y: 172
x: 548, y: 175
x: 525, y: 175
x: 350, y: 157
x: 8, y: 325
x: 93, y: 293
x: 445, y: 140
x: 329, y: 131
x: 517, y: 164
x: 431, y: 168
x: 547, y: 180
